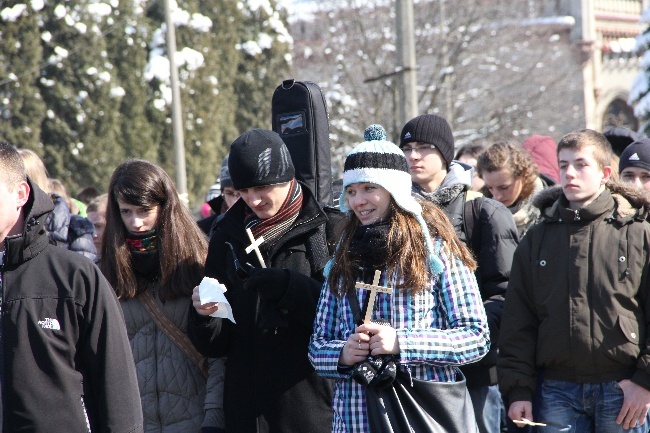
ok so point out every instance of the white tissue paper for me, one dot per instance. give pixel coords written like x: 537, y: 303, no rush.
x: 211, y: 290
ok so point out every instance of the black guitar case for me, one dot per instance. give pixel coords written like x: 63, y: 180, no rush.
x: 299, y: 115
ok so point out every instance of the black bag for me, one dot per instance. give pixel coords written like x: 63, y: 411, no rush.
x: 427, y: 406
x: 299, y: 115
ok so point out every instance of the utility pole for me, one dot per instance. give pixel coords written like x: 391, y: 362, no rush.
x: 177, y: 121
x: 408, y: 98
x: 446, y: 79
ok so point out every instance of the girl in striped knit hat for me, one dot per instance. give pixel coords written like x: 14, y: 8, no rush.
x: 434, y: 311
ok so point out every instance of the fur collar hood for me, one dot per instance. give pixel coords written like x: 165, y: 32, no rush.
x: 630, y: 200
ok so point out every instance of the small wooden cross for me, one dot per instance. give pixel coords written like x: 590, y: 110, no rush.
x: 373, y: 288
x: 255, y: 245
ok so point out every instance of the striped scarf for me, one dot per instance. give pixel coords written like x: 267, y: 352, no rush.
x: 274, y: 227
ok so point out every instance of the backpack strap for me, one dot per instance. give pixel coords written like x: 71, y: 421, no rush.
x: 471, y: 215
x: 178, y: 337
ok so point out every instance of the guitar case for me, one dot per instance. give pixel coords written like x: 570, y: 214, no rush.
x: 299, y: 116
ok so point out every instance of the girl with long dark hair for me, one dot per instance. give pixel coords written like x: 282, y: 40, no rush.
x: 153, y: 255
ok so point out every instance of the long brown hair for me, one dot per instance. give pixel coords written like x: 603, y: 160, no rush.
x: 182, y: 246
x: 407, y: 248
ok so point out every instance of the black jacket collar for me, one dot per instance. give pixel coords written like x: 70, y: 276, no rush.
x: 34, y: 238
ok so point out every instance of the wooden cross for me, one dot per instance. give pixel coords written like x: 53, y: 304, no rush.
x: 255, y: 245
x: 373, y: 288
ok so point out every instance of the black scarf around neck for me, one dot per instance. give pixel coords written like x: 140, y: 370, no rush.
x: 369, y: 248
x: 144, y: 254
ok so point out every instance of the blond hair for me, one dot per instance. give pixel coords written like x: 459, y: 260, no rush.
x: 34, y: 167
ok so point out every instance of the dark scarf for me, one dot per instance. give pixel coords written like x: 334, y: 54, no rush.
x: 369, y: 249
x: 274, y: 227
x: 144, y: 254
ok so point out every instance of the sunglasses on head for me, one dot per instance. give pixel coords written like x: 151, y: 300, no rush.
x: 243, y: 272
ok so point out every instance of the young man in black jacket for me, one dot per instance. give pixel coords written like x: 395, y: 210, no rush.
x: 270, y: 385
x: 486, y: 227
x: 65, y: 359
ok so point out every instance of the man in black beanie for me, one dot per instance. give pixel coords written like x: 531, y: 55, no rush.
x: 270, y: 385
x: 483, y: 224
x: 634, y: 166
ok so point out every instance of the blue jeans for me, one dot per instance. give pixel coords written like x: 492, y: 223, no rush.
x: 583, y: 408
x: 487, y: 408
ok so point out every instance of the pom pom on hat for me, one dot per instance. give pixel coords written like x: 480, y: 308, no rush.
x: 374, y: 132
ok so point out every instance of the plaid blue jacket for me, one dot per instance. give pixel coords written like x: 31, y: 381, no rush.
x: 437, y: 330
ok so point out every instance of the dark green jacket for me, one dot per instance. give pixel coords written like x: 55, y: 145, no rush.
x: 577, y: 307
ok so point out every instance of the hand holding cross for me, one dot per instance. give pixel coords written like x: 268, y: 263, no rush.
x: 373, y: 288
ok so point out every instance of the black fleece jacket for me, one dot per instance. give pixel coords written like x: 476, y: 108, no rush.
x: 63, y: 338
x: 495, y: 240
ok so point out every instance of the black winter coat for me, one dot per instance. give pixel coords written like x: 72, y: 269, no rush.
x: 63, y: 341
x: 495, y: 239
x: 270, y: 385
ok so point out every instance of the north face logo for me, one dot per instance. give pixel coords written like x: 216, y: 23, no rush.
x: 407, y: 135
x: 634, y: 157
x: 50, y: 324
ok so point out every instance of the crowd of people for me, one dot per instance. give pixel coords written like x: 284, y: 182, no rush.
x: 520, y: 271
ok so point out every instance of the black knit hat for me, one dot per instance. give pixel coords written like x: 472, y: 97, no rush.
x: 620, y: 137
x: 259, y: 157
x: 431, y: 129
x: 224, y: 175
x: 636, y: 154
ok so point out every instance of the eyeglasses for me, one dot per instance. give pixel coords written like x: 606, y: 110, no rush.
x: 420, y: 148
x: 243, y: 272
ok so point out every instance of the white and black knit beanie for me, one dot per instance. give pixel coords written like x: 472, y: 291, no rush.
x: 381, y: 162
x: 259, y: 157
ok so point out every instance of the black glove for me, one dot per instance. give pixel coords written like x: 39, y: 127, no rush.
x: 270, y: 283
